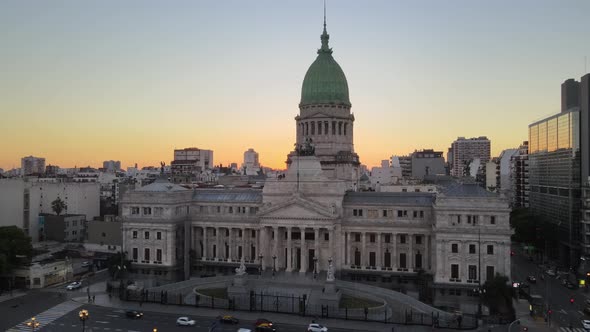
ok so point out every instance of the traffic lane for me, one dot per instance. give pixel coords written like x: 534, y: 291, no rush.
x: 106, y: 319
x: 17, y: 310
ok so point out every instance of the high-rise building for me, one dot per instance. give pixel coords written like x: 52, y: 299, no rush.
x: 251, y: 163
x: 111, y: 166
x: 427, y: 162
x: 190, y: 162
x: 467, y: 149
x: 520, y: 176
x: 570, y: 94
x: 32, y: 165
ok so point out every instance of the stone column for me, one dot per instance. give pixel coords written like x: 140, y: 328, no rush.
x: 394, y: 264
x: 275, y: 248
x: 303, y: 268
x: 364, y: 249
x: 205, y: 243
x: 426, y: 259
x: 230, y: 243
x: 411, y: 254
x: 379, y: 260
x: 331, y: 240
x: 243, y: 243
x: 289, y: 261
x: 217, y: 237
x: 262, y: 239
x: 316, y: 246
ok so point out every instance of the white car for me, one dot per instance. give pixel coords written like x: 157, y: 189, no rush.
x: 185, y: 321
x: 316, y: 328
x: 86, y: 264
x: 74, y: 285
x: 586, y: 324
x: 241, y: 329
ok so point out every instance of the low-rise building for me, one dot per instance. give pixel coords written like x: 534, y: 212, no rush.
x: 62, y: 228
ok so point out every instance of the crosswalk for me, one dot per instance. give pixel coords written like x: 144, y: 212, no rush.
x: 573, y: 329
x: 47, y: 316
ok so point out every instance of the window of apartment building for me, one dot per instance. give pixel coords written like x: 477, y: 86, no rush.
x: 415, y: 214
x: 421, y: 214
x: 472, y: 271
x: 357, y: 237
x: 402, y: 260
x: 135, y: 234
x: 418, y: 239
x: 146, y: 254
x: 372, y: 238
x: 489, y: 273
x: 490, y: 249
x: 455, y: 271
x: 67, y: 224
x: 134, y: 255
x: 146, y: 235
x: 159, y: 255
x: 147, y: 210
x: 402, y: 238
x: 134, y: 210
x: 387, y: 238
x: 159, y: 235
x: 384, y: 213
x: 454, y: 248
x: 74, y: 232
x: 492, y: 220
x: 472, y: 248
x: 74, y: 223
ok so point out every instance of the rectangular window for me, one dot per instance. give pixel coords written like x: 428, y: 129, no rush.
x: 472, y: 272
x: 490, y: 249
x: 399, y: 213
x: 489, y: 273
x: 372, y: 258
x: 372, y: 238
x: 333, y: 127
x: 313, y: 127
x: 469, y: 219
x: 421, y: 214
x: 240, y: 233
x: 147, y: 210
x: 418, y: 261
x: 231, y: 209
x: 326, y: 236
x: 405, y: 213
x: 135, y: 234
x: 455, y: 271
x: 253, y: 233
x: 158, y: 211
x: 357, y: 237
x: 493, y: 220
x: 472, y: 248
x: 326, y: 127
x: 319, y: 127
x: 387, y: 259
x: 458, y: 219
x: 135, y: 210
x: 355, y: 212
x: 402, y: 260
x: 134, y: 254
x: 372, y: 213
x: 159, y: 255
x: 360, y: 212
x: 418, y: 239
x: 159, y: 235
x: 387, y: 238
x: 74, y: 223
x: 214, y: 231
x: 219, y: 209
x: 454, y: 248
x: 146, y: 254
x: 415, y: 214
x: 146, y: 235
x: 385, y: 213
x: 402, y: 238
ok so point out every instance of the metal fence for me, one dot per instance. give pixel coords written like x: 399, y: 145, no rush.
x: 299, y: 305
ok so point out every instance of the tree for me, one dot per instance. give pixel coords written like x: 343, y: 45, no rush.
x: 117, y: 264
x: 58, y: 206
x: 498, y: 295
x: 15, y: 247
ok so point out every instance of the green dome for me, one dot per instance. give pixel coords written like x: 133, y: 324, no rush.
x: 324, y: 82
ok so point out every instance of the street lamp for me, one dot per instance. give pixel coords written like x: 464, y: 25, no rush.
x: 84, y: 315
x: 315, y: 267
x: 155, y: 329
x: 260, y: 257
x: 274, y: 265
x: 33, y: 323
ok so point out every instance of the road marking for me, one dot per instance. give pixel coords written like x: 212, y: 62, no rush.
x: 102, y: 322
x: 116, y: 316
x: 563, y: 311
x: 581, y: 313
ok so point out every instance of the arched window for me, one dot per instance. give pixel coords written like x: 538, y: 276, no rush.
x: 345, y: 127
x: 306, y: 129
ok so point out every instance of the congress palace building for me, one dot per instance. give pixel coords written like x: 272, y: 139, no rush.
x: 297, y: 223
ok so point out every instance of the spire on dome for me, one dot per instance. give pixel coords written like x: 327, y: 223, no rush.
x: 325, y: 37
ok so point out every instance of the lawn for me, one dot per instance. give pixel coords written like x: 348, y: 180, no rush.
x: 218, y: 293
x: 347, y: 301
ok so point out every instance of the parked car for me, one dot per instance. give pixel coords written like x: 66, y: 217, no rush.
x: 185, y: 321
x: 531, y: 279
x: 228, y: 319
x: 314, y: 327
x: 86, y: 264
x: 586, y: 324
x: 74, y: 285
x: 133, y: 314
x: 243, y: 329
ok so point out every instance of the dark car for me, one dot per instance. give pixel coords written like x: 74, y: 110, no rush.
x: 133, y: 314
x: 571, y: 285
x: 228, y: 319
x: 531, y: 279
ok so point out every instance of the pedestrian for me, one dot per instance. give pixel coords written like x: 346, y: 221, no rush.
x: 93, y: 298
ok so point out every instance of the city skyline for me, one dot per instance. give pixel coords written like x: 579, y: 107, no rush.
x: 94, y: 82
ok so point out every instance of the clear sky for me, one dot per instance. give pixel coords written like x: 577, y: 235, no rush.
x: 87, y: 81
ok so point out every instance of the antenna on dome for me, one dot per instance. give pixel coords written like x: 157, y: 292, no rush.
x: 324, y: 14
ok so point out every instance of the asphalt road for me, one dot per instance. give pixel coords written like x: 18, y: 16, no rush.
x: 114, y: 320
x: 19, y: 309
x: 565, y: 314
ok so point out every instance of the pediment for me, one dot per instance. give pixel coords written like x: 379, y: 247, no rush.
x: 297, y: 208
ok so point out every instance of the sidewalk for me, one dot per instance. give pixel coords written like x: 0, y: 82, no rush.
x: 102, y: 299
x: 8, y: 296
x: 521, y: 307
